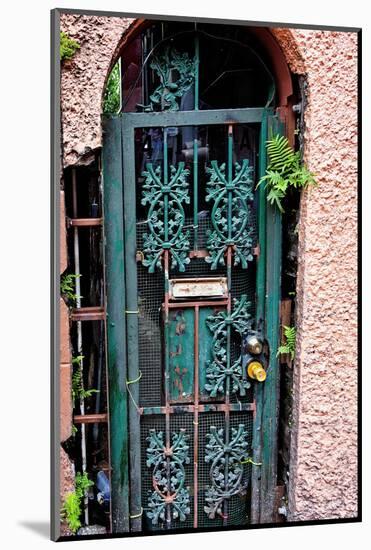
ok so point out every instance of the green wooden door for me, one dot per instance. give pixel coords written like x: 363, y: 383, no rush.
x: 193, y: 285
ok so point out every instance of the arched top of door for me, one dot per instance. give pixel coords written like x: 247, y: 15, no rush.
x: 241, y: 66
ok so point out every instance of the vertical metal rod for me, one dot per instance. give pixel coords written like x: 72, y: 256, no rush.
x: 195, y: 418
x: 229, y: 310
x: 195, y: 189
x: 167, y: 335
x: 230, y: 174
x: 260, y: 316
x: 76, y: 253
x: 115, y: 325
x: 120, y: 84
x: 166, y: 197
x: 268, y: 469
x: 129, y: 202
x: 99, y: 381
x: 167, y: 382
x: 228, y: 382
x: 195, y: 142
x: 197, y: 69
x: 105, y: 340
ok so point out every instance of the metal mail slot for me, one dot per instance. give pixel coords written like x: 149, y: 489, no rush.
x: 209, y: 287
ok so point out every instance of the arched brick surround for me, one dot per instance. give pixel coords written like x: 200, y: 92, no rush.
x: 323, y: 469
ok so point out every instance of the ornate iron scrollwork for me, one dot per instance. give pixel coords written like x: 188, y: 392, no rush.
x: 231, y: 213
x: 165, y: 217
x: 222, y: 367
x: 176, y: 72
x: 226, y: 471
x: 168, y: 477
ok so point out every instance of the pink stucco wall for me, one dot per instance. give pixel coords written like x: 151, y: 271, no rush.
x: 323, y: 472
x: 83, y: 80
x: 323, y: 475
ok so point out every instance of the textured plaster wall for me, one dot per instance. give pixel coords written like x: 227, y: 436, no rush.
x: 323, y: 472
x: 82, y: 82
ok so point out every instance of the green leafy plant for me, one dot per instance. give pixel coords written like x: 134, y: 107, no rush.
x: 285, y: 170
x: 72, y: 506
x: 67, y: 287
x: 68, y: 46
x: 112, y: 94
x: 289, y: 346
x: 78, y: 391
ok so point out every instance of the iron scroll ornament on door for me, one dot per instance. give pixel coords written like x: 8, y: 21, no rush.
x: 176, y: 72
x: 230, y: 214
x: 222, y: 370
x: 166, y: 216
x: 170, y: 500
x: 226, y: 472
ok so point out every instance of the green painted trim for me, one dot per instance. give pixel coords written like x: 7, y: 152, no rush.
x: 129, y: 202
x: 191, y: 118
x: 116, y: 340
x: 271, y: 385
x: 260, y: 318
x: 268, y: 297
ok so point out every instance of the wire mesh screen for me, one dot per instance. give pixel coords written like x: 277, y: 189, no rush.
x: 156, y: 422
x: 177, y: 423
x: 151, y: 363
x: 150, y: 298
x: 238, y: 505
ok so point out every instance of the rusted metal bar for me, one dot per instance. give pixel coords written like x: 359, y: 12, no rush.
x: 94, y: 313
x: 201, y: 303
x: 76, y: 253
x: 167, y: 335
x: 202, y: 253
x: 84, y: 222
x: 202, y: 407
x: 256, y: 251
x: 279, y: 503
x: 229, y: 309
x: 90, y: 418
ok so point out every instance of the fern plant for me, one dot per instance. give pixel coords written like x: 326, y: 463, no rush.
x: 289, y: 346
x: 68, y: 47
x: 71, y: 509
x: 285, y: 170
x: 67, y: 287
x: 77, y: 390
x: 111, y: 100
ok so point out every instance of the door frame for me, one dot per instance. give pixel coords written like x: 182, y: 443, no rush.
x: 122, y: 309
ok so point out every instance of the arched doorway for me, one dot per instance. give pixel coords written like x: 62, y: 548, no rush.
x: 193, y: 255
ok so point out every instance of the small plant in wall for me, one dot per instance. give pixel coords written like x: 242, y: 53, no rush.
x: 78, y: 391
x: 68, y: 47
x: 67, y: 287
x: 112, y: 93
x: 72, y: 506
x: 290, y: 337
x: 285, y: 171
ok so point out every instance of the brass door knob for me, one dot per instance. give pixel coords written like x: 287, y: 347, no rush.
x: 256, y: 371
x: 254, y: 345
